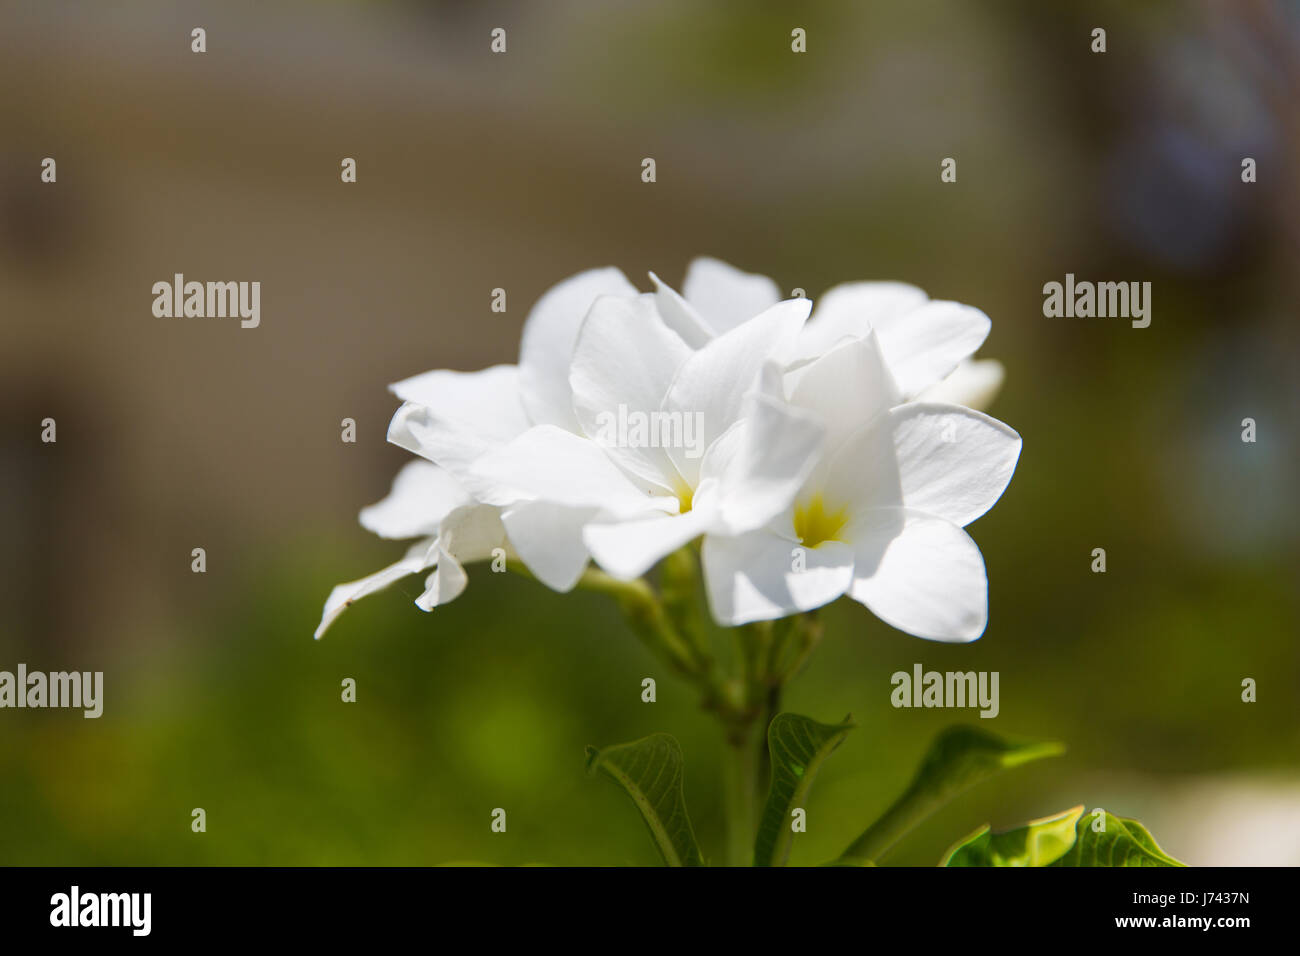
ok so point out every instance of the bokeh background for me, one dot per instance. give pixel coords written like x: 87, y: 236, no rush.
x: 479, y: 171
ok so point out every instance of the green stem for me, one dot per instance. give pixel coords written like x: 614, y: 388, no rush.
x: 679, y: 576
x: 809, y: 628
x: 885, y: 832
x: 771, y: 707
x: 766, y: 655
x: 646, y: 613
x: 739, y: 779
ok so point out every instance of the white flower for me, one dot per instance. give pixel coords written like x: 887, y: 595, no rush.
x: 922, y: 340
x: 880, y: 517
x: 455, y: 418
x: 636, y: 503
x: 428, y: 503
x: 782, y: 441
x: 452, y: 418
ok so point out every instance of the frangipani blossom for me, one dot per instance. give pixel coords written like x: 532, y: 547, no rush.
x: 880, y: 518
x: 636, y: 503
x: 426, y: 502
x: 452, y: 418
x: 783, y: 442
x: 455, y: 418
x: 923, y: 341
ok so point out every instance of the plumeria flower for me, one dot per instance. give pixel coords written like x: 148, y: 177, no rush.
x: 426, y: 502
x: 635, y: 502
x: 880, y: 517
x: 455, y: 418
x: 520, y: 459
x: 452, y: 418
x: 924, y: 342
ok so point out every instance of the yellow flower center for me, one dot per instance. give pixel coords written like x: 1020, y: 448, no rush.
x: 685, y: 495
x: 815, y: 523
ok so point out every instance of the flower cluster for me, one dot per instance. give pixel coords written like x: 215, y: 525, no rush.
x: 811, y: 453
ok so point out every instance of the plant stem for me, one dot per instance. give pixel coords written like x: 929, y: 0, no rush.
x: 766, y: 655
x: 645, y: 611
x: 738, y: 782
x: 679, y: 575
x: 810, y: 629
x: 885, y: 832
x: 771, y: 707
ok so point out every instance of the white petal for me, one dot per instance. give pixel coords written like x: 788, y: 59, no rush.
x: 679, y: 315
x: 724, y: 296
x: 952, y: 462
x: 974, y: 383
x: 861, y: 474
x: 423, y: 494
x: 486, y: 403
x: 752, y: 577
x: 471, y: 533
x: 920, y: 574
x: 550, y: 464
x: 627, y: 549
x: 714, y: 381
x: 550, y: 332
x: 548, y: 539
x: 623, y: 364
x: 922, y: 346
x: 851, y: 310
x: 922, y: 341
x: 451, y: 418
x: 846, y: 386
x: 417, y: 429
x: 420, y: 556
x: 761, y: 463
x: 444, y: 585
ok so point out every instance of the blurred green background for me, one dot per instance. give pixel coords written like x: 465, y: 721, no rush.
x: 479, y: 171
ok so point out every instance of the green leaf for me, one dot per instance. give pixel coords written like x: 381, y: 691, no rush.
x: 798, y: 746
x: 1037, y: 843
x: 1124, y: 842
x: 650, y: 770
x: 959, y: 758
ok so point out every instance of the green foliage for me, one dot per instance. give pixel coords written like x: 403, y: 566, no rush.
x: 959, y: 758
x: 1071, y: 838
x: 650, y: 770
x: 797, y: 745
x: 1123, y: 842
x: 1037, y: 843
